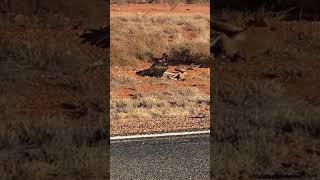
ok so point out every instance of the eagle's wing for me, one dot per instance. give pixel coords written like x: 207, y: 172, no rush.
x: 99, y: 38
x: 158, y: 69
x: 154, y: 65
x: 148, y: 72
x: 144, y: 72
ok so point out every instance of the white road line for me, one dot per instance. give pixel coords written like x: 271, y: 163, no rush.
x: 138, y: 136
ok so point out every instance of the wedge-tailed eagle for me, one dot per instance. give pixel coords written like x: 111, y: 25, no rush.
x: 156, y: 69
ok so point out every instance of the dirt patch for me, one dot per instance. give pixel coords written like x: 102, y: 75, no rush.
x: 188, y: 33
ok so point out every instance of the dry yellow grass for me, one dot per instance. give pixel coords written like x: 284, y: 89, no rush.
x: 43, y: 73
x: 176, y: 104
x: 39, y: 138
x: 265, y: 125
x: 138, y: 37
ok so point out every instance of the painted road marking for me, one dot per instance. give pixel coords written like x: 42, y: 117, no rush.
x: 140, y: 136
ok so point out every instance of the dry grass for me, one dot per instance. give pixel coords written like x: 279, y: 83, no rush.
x: 258, y: 129
x: 265, y: 124
x: 52, y: 13
x: 171, y: 104
x: 139, y: 37
x: 52, y: 103
x: 173, y: 2
x: 299, y: 9
x: 49, y: 136
x: 50, y: 149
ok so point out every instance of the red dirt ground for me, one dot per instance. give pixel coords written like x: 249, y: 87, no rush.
x: 192, y: 81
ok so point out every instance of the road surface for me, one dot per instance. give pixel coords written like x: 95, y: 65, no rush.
x: 182, y: 157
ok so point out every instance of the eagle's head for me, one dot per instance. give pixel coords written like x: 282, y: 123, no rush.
x: 164, y: 59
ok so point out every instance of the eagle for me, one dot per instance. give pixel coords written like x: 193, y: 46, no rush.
x: 156, y: 69
x: 97, y: 37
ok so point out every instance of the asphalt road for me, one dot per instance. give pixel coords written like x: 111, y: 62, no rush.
x: 185, y: 157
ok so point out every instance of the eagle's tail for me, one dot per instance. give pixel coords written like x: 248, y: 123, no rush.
x: 144, y: 72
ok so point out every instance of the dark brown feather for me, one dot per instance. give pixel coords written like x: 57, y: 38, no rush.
x: 157, y: 69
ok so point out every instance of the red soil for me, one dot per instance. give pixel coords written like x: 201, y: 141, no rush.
x: 203, y: 84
